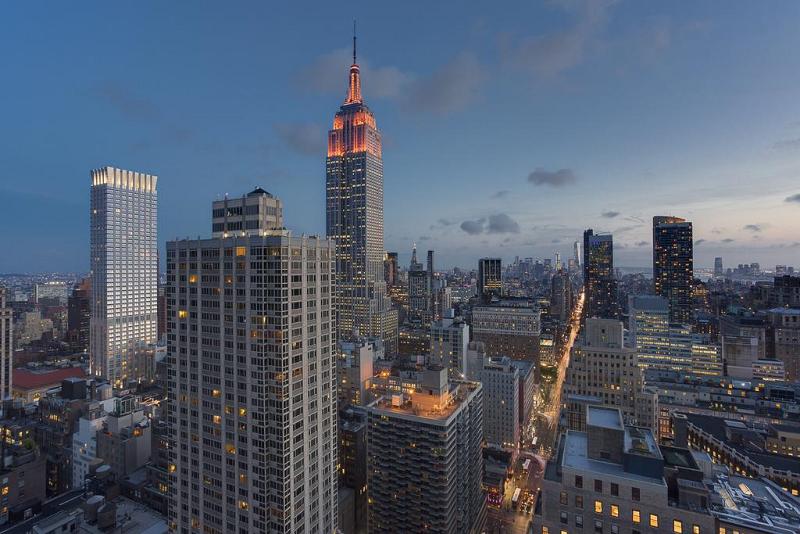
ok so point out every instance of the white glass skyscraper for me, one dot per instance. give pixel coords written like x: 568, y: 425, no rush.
x: 124, y: 271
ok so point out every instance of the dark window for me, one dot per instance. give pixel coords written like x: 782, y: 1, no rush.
x: 636, y: 495
x: 579, y: 501
x: 578, y: 481
x: 598, y: 526
x: 614, y: 489
x: 579, y: 521
x: 598, y: 486
x: 564, y: 519
x: 564, y: 498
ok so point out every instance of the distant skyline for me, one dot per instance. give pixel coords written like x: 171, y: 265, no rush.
x: 506, y: 132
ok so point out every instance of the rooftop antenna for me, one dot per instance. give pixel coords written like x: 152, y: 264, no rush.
x: 354, y: 41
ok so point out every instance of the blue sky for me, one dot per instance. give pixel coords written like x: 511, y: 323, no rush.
x: 507, y: 131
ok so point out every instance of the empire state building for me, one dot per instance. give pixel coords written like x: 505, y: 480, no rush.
x: 354, y: 169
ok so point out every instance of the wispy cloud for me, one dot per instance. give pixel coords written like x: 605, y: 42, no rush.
x: 550, y: 54
x: 728, y: 240
x: 501, y: 194
x: 787, y: 144
x: 793, y: 198
x: 699, y: 242
x: 303, y: 138
x: 557, y: 178
x: 753, y: 227
x: 448, y: 88
x: 500, y: 223
x: 127, y: 102
x: 609, y: 214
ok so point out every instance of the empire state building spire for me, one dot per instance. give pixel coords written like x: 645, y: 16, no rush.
x: 354, y: 89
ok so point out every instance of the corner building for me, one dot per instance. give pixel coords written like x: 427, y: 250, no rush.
x: 252, y: 384
x: 424, y: 460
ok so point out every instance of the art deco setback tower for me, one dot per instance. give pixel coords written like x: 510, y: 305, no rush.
x: 354, y: 170
x: 124, y: 272
x: 673, y: 267
x: 252, y: 382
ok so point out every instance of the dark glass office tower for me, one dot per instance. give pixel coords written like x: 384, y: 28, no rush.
x: 490, y: 278
x: 598, y: 276
x: 354, y: 169
x: 673, y: 265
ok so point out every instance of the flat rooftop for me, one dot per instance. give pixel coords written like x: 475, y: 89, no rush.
x: 757, y: 503
x: 459, y: 392
x: 577, y: 458
x: 604, y: 417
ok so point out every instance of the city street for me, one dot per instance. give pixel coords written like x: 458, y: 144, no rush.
x: 538, y: 441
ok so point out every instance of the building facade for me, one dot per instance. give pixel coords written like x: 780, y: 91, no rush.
x: 501, y: 402
x: 257, y: 210
x: 124, y: 271
x: 354, y: 204
x: 490, y: 279
x: 252, y: 384
x: 449, y: 342
x: 603, y: 371
x: 673, y: 265
x: 509, y: 328
x: 424, y: 463
x: 598, y: 276
x: 6, y: 346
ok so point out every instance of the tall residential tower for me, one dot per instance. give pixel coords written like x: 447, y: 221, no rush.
x: 124, y: 272
x: 252, y: 382
x: 354, y: 202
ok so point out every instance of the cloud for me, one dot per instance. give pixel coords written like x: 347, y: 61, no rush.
x: 329, y: 72
x: 609, y: 214
x: 303, y: 138
x: 502, y: 224
x: 126, y: 102
x: 424, y: 238
x: 699, y: 242
x: 450, y: 88
x: 557, y: 178
x: 501, y: 194
x: 442, y: 223
x: 793, y: 198
x: 554, y: 241
x: 473, y: 227
x: 550, y: 54
x: 752, y: 227
x: 623, y: 229
x: 634, y: 218
x: 787, y: 144
x: 642, y: 243
x: 728, y: 240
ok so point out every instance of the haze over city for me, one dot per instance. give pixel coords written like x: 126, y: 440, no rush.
x: 506, y: 131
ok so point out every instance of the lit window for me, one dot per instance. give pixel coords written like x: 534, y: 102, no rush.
x: 677, y: 526
x: 242, y: 412
x: 654, y: 520
x: 614, y: 510
x: 598, y: 507
x: 183, y: 314
x: 695, y: 529
x: 545, y: 530
x: 635, y: 516
x: 241, y: 251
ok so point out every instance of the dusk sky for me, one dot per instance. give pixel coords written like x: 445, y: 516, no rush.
x: 508, y: 128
